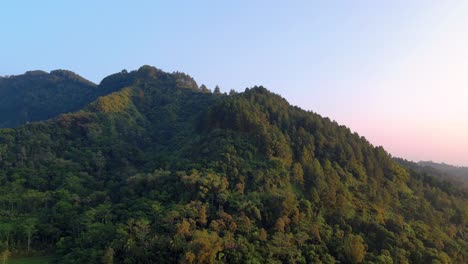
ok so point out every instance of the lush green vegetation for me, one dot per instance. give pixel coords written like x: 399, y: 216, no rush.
x: 30, y: 260
x: 37, y: 95
x: 163, y: 171
x: 458, y: 175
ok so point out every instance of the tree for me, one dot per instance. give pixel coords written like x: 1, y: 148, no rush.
x: 4, y: 252
x: 108, y: 257
x: 354, y: 248
x: 204, y: 89
x: 298, y: 173
x: 217, y: 90
x: 29, y: 227
x: 205, y: 245
x: 203, y: 218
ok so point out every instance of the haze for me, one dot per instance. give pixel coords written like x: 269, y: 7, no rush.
x: 394, y: 72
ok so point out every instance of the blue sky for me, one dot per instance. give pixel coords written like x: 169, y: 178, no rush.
x: 375, y: 66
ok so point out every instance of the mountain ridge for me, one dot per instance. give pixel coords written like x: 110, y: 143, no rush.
x: 38, y: 95
x: 459, y: 174
x: 160, y: 169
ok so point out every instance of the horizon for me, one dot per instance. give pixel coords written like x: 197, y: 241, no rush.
x: 392, y: 72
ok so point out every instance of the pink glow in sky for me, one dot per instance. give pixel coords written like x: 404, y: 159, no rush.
x: 417, y: 108
x: 398, y: 76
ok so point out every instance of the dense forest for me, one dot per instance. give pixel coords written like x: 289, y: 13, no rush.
x: 37, y: 95
x: 161, y: 170
x: 456, y: 174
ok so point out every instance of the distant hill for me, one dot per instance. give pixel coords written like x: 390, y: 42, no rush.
x: 458, y: 176
x: 455, y: 173
x: 160, y: 170
x: 38, y: 95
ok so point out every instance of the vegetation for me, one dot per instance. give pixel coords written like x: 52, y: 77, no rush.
x: 37, y: 95
x: 458, y: 175
x: 31, y: 260
x: 161, y: 171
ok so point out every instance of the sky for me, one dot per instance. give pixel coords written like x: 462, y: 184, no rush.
x: 394, y: 71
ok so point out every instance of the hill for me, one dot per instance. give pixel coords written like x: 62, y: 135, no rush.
x: 163, y: 171
x: 38, y: 95
x: 455, y: 173
x: 458, y: 176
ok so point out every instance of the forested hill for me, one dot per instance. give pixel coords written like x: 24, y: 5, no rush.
x: 38, y: 95
x: 162, y: 171
x: 455, y: 173
x: 458, y: 176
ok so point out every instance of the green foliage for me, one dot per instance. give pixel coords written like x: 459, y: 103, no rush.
x: 37, y: 95
x: 31, y: 260
x: 162, y: 171
x: 354, y: 248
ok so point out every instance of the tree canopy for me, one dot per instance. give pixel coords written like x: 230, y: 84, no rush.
x: 159, y: 170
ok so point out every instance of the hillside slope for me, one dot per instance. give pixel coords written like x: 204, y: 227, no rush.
x: 454, y: 173
x: 160, y: 171
x: 456, y: 176
x: 38, y: 95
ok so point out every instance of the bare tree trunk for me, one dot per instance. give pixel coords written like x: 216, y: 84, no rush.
x: 29, y: 239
